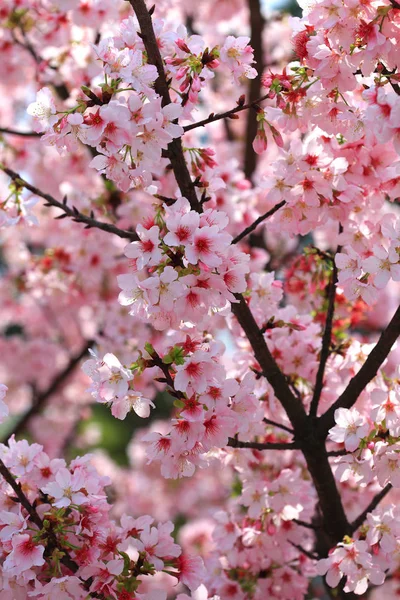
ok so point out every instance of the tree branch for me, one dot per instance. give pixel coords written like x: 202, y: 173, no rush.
x: 270, y: 369
x: 275, y: 424
x: 234, y: 443
x: 76, y: 216
x: 257, y: 23
x: 39, y: 400
x: 292, y: 405
x: 22, y: 499
x: 20, y: 133
x: 371, y: 506
x: 225, y: 115
x: 257, y: 222
x: 175, y: 150
x: 367, y: 372
x: 35, y: 518
x: 326, y: 340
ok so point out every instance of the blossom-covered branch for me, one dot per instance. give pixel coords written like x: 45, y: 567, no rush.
x: 68, y: 211
x: 368, y: 371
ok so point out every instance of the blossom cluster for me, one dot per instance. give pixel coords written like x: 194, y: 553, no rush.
x: 184, y: 266
x: 129, y: 132
x: 61, y: 539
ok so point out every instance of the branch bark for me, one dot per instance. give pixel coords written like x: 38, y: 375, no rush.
x: 175, y: 149
x: 225, y: 115
x: 367, y: 372
x: 76, y: 216
x: 257, y: 23
x: 371, y: 506
x: 33, y: 134
x: 326, y: 341
x: 234, y: 443
x: 257, y: 222
x: 334, y: 519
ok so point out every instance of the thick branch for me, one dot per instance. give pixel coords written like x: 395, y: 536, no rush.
x: 257, y: 222
x: 175, y: 150
x: 292, y: 405
x: 225, y: 115
x: 367, y: 372
x: 270, y: 369
x: 334, y: 521
x: 371, y: 506
x: 326, y: 341
x: 256, y: 42
x: 234, y: 443
x: 40, y: 400
x: 76, y: 216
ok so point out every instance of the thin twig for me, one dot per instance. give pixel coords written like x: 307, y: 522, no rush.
x: 76, y: 216
x: 326, y: 340
x: 371, y: 506
x: 257, y: 222
x: 304, y: 551
x: 234, y: 443
x: 275, y: 424
x: 305, y: 524
x: 338, y: 453
x: 39, y: 400
x: 368, y: 371
x: 225, y: 115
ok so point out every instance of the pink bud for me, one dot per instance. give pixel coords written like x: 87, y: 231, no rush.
x: 260, y: 142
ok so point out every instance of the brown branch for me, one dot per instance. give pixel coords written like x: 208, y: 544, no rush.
x: 234, y: 443
x: 257, y: 23
x: 35, y: 518
x: 326, y: 340
x: 22, y: 499
x: 175, y: 150
x: 20, y: 133
x: 305, y: 524
x: 257, y: 222
x: 76, y: 216
x: 40, y: 400
x: 269, y: 367
x: 275, y: 424
x: 371, y: 506
x: 368, y: 371
x: 334, y: 519
x: 304, y: 551
x: 225, y: 115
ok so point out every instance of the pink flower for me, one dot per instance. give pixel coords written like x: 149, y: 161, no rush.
x: 147, y: 250
x: 350, y: 428
x: 191, y: 570
x: 238, y: 56
x: 67, y: 489
x: 25, y: 554
x: 384, y: 265
x: 195, y: 373
x: 208, y: 244
x: 43, y: 110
